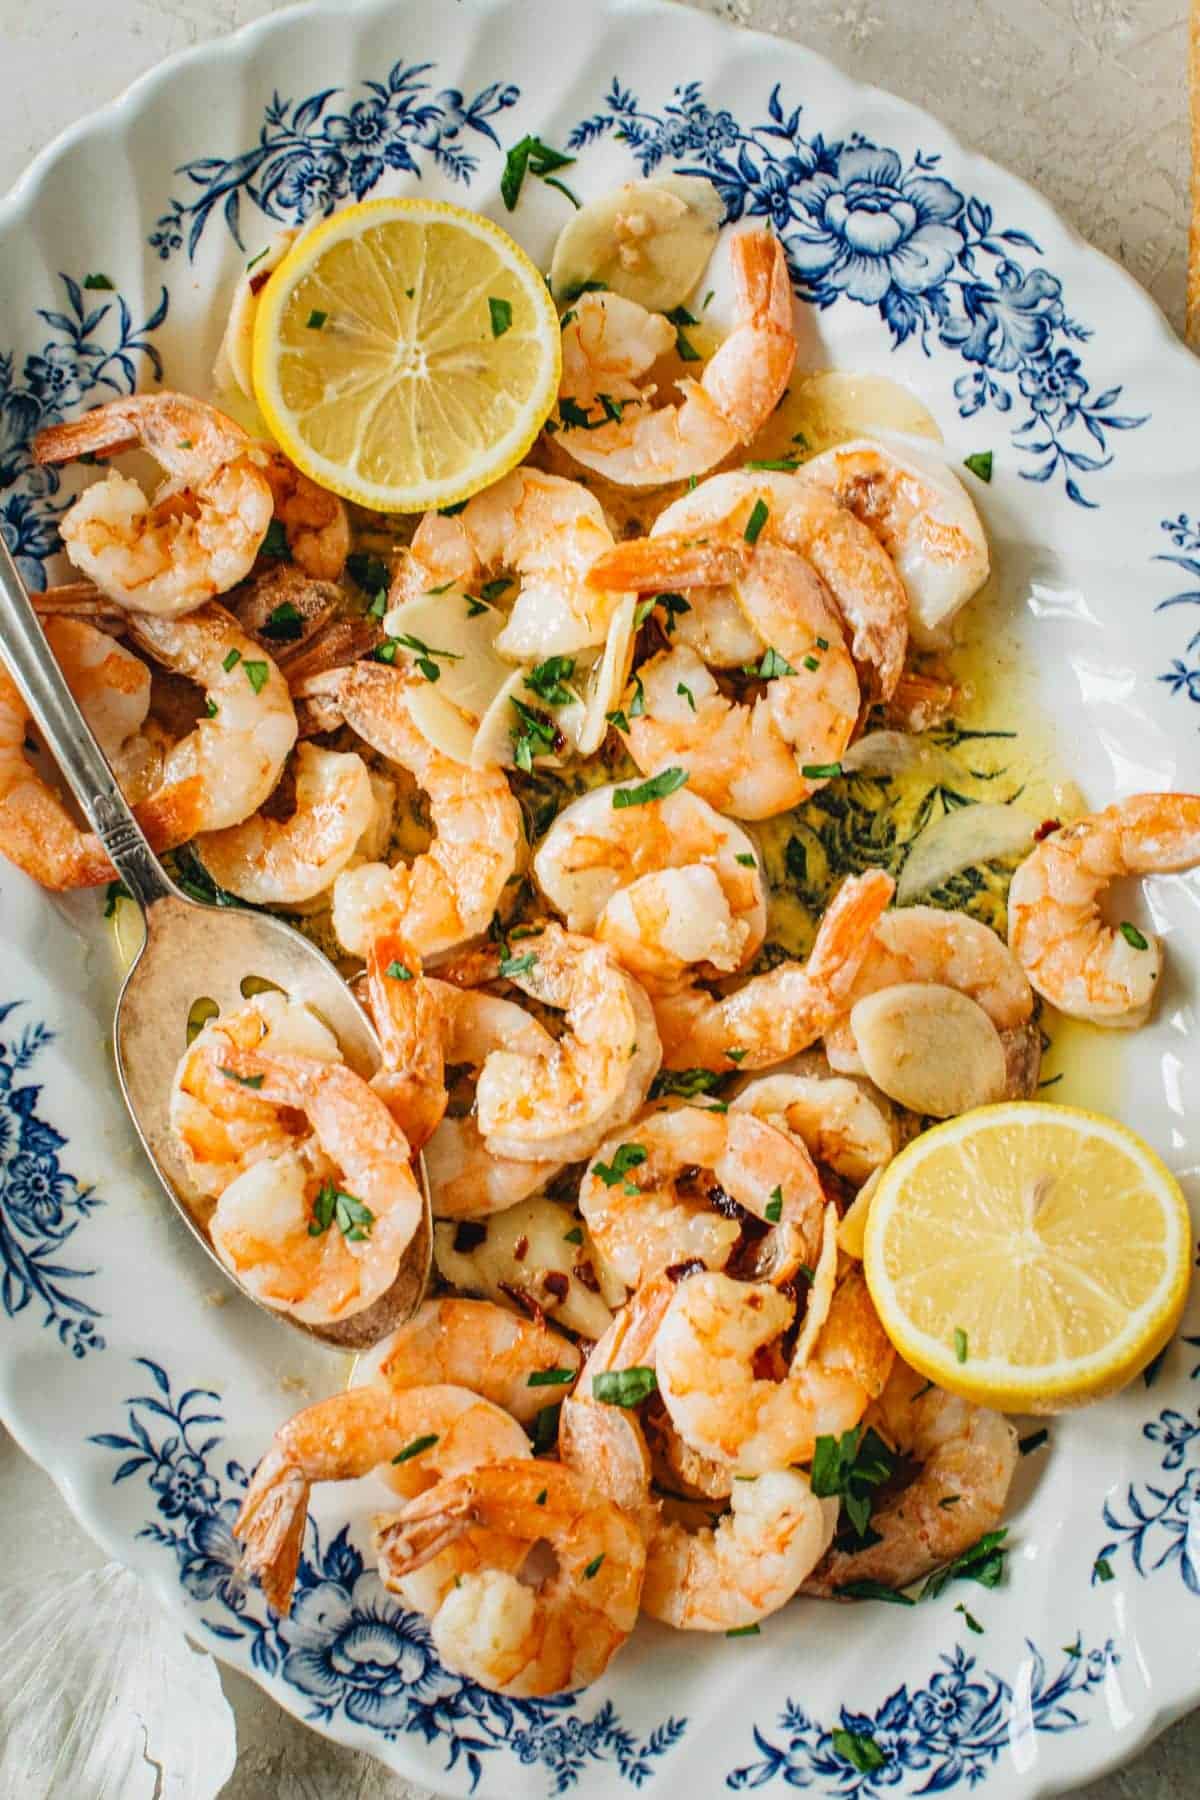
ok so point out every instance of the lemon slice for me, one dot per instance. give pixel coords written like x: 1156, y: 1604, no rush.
x: 405, y: 354
x: 1029, y: 1257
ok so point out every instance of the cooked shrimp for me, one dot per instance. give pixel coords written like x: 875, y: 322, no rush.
x: 922, y: 515
x: 926, y: 944
x: 705, y: 1359
x: 701, y: 539
x: 727, y: 1576
x: 967, y: 1455
x: 348, y: 1436
x: 670, y: 1204
x: 319, y: 1235
x: 448, y: 895
x: 37, y: 832
x: 277, y: 862
x: 197, y: 537
x: 558, y: 1104
x: 466, y: 1178
x: 605, y: 1444
x: 1084, y: 967
x: 773, y: 1016
x: 408, y: 1022
x: 222, y: 1127
x: 610, y: 344
x: 845, y: 1124
x: 226, y: 766
x: 545, y: 530
x: 478, y: 1345
x: 753, y: 760
x: 315, y: 521
x: 512, y: 1636
x: 668, y: 885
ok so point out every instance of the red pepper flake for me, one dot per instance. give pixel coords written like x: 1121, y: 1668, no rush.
x: 526, y: 1302
x: 258, y: 282
x: 521, y: 1249
x: 586, y: 1275
x: 1046, y: 829
x: 556, y: 1284
x: 681, y: 1270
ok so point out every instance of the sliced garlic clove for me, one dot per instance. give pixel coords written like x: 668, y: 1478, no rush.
x: 528, y: 1250
x: 930, y: 1048
x: 648, y: 240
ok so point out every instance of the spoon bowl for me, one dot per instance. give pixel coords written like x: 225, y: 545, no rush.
x: 192, y: 951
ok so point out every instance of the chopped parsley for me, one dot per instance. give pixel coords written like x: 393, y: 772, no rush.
x: 773, y: 1211
x: 850, y: 1467
x: 969, y: 1619
x: 333, y: 1205
x: 980, y: 464
x: 493, y: 590
x: 534, y: 734
x: 246, y: 1081
x: 396, y: 971
x: 686, y: 351
x: 667, y: 781
x: 759, y: 515
x: 787, y: 464
x: 531, y: 157
x: 231, y: 660
x: 681, y: 687
x: 982, y: 1562
x: 574, y: 1236
x: 859, y: 1750
x: 1102, y: 1569
x: 874, y: 1590
x: 545, y: 1429
x: 550, y: 1378
x: 624, y: 1387
x: 100, y: 282
x: 368, y: 572
x: 274, y: 540
x: 687, y: 1083
x: 257, y: 674
x: 500, y: 313
x: 773, y: 665
x: 593, y: 1568
x: 820, y: 771
x: 546, y: 680
x: 961, y: 1344
x: 116, y: 890
x: 285, y: 624
x: 512, y: 966
x: 452, y: 512
x: 424, y: 655
x: 743, y: 1631
x: 625, y: 1157
x: 1133, y: 937
x: 747, y: 860
x: 316, y: 319
x: 416, y: 1447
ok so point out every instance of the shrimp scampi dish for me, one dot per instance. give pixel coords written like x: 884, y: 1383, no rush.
x: 627, y: 751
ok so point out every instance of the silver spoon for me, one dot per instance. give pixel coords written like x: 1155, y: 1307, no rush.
x: 192, y: 949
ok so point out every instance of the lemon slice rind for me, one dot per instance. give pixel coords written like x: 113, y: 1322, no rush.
x: 1145, y: 1197
x: 363, y: 384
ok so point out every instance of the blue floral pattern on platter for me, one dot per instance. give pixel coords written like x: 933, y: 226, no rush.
x: 41, y: 1204
x: 95, y: 353
x: 1183, y: 677
x: 952, y: 1730
x: 309, y: 155
x: 860, y: 224
x: 1157, y: 1523
x: 347, y: 1646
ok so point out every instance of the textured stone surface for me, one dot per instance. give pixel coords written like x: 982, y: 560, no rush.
x: 1084, y: 98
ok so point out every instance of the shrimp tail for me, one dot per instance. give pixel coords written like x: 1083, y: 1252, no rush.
x: 270, y: 1527
x: 762, y: 287
x: 844, y: 935
x: 105, y: 431
x: 643, y: 564
x: 408, y: 1540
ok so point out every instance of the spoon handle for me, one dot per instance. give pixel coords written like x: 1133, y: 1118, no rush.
x: 70, y: 741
